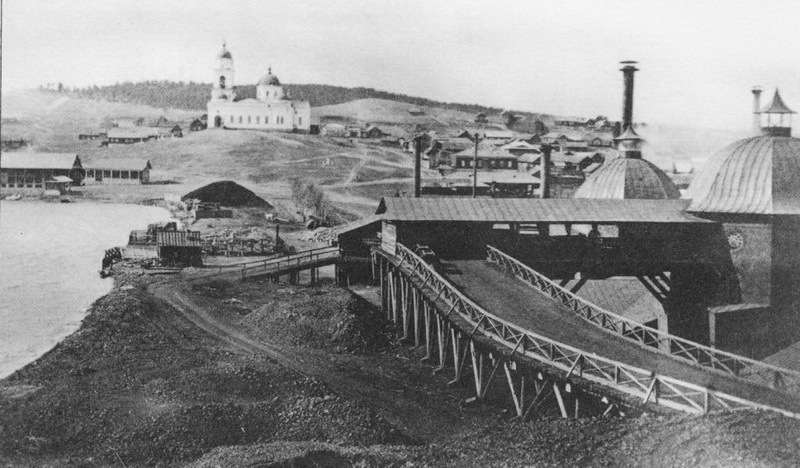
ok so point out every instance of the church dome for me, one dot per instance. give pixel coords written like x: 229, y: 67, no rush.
x: 269, y: 79
x: 224, y: 53
x: 628, y: 178
x: 759, y: 175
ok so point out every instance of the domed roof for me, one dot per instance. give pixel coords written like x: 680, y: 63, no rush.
x: 224, y: 53
x: 628, y: 178
x: 269, y: 79
x: 759, y: 175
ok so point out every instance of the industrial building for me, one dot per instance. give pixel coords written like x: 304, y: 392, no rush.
x: 723, y: 265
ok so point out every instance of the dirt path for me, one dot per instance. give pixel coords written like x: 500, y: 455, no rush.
x: 404, y: 403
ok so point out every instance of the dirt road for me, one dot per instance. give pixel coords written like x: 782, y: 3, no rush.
x: 418, y: 412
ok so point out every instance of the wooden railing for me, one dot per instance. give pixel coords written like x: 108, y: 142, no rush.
x: 641, y: 383
x: 274, y: 265
x: 658, y: 340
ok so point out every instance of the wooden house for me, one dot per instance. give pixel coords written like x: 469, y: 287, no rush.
x: 196, y: 125
x: 118, y: 171
x: 489, y: 157
x: 34, y: 170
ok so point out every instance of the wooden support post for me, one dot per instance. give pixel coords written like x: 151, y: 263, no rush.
x: 441, y: 333
x: 477, y: 369
x: 577, y: 407
x: 455, y: 340
x: 518, y: 398
x: 560, y: 401
x: 427, y: 312
x: 417, y: 338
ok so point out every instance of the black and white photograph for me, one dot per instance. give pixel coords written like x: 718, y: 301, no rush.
x: 399, y: 233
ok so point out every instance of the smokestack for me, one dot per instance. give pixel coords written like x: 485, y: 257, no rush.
x: 628, y: 69
x: 756, y: 110
x: 417, y: 166
x: 544, y: 172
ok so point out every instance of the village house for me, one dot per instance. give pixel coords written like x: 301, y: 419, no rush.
x: 271, y: 109
x: 35, y: 170
x: 440, y: 150
x: 489, y: 157
x: 12, y: 144
x: 566, y: 141
x: 572, y: 121
x: 334, y: 130
x: 498, y: 135
x: 371, y: 132
x: 575, y: 164
x: 129, y: 136
x: 92, y: 135
x: 196, y: 125
x: 520, y: 147
x: 118, y: 171
x: 600, y: 140
x: 126, y: 122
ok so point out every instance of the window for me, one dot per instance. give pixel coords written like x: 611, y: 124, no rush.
x: 115, y: 174
x: 134, y: 174
x: 107, y: 174
x: 266, y: 119
x: 125, y: 174
x: 90, y: 173
x: 240, y: 119
x: 231, y: 119
x: 258, y: 119
x: 248, y: 119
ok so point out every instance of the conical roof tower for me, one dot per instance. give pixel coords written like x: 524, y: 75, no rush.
x: 629, y: 176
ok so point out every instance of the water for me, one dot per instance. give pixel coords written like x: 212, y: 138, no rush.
x: 50, y: 255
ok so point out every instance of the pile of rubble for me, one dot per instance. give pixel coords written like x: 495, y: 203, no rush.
x: 323, y: 234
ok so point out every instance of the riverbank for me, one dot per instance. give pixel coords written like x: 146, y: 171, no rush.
x: 306, y: 375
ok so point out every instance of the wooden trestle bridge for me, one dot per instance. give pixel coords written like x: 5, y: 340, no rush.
x: 499, y: 322
x: 547, y: 343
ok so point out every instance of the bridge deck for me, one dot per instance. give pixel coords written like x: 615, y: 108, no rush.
x: 505, y: 296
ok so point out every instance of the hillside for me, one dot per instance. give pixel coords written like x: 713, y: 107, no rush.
x: 193, y: 96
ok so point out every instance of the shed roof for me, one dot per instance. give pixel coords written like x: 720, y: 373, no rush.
x: 553, y: 210
x: 39, y: 161
x: 134, y: 132
x: 358, y: 224
x: 179, y: 239
x: 498, y: 134
x: 62, y: 179
x: 487, y: 152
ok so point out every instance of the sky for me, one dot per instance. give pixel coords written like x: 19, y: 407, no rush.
x: 698, y: 60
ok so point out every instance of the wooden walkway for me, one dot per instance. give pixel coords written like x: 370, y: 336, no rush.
x: 505, y: 296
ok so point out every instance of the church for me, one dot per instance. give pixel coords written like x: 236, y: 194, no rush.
x: 272, y: 109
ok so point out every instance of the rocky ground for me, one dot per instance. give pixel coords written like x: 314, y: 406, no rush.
x: 139, y: 384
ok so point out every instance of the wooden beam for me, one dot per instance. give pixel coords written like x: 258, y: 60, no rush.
x: 560, y: 401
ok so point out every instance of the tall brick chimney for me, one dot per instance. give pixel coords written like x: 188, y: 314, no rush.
x: 628, y: 69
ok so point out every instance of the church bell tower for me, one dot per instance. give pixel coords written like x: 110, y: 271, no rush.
x: 223, y: 79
